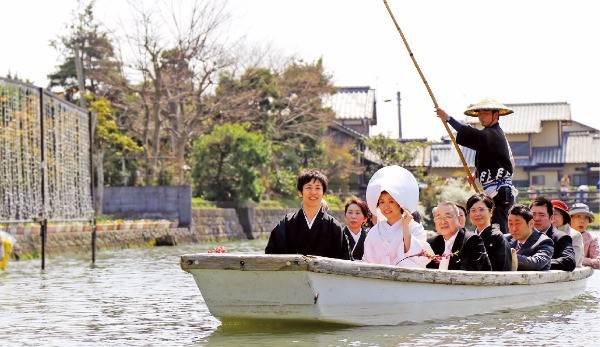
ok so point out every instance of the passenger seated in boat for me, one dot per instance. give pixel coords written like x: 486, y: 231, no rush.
x: 462, y: 215
x: 581, y: 216
x: 457, y: 249
x: 534, y: 250
x: 310, y: 231
x: 561, y: 220
x: 563, y: 257
x: 396, y: 239
x: 481, y: 207
x: 356, y: 213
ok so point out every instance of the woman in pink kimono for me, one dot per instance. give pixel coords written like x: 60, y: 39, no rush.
x: 581, y: 216
x: 392, y: 194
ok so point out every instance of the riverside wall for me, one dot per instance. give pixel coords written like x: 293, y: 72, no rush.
x: 208, y: 224
x: 30, y: 245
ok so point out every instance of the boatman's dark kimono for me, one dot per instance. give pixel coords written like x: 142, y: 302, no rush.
x: 493, y: 165
x: 292, y: 236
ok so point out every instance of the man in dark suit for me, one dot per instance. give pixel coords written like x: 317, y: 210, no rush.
x: 563, y: 257
x: 534, y: 250
x: 457, y: 249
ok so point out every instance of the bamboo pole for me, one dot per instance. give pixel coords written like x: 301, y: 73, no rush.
x: 412, y: 56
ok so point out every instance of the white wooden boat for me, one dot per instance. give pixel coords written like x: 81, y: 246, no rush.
x: 246, y: 287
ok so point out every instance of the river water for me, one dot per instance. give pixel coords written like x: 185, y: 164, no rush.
x: 141, y: 297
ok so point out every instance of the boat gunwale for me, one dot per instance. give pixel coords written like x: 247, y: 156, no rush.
x: 315, y: 264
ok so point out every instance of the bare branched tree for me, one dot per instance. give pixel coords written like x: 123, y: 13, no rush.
x: 177, y: 56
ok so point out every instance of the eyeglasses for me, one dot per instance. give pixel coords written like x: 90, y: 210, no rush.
x: 478, y: 210
x: 444, y: 218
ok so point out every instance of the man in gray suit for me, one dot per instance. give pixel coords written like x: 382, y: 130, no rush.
x: 534, y: 250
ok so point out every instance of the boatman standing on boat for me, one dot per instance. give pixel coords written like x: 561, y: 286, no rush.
x: 494, y: 164
x: 311, y: 230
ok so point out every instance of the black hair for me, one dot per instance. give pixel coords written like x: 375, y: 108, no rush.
x: 308, y: 175
x: 523, y: 211
x: 417, y: 217
x: 542, y: 201
x: 489, y: 202
x: 361, y: 203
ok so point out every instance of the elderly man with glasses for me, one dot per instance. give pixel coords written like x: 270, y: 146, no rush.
x: 455, y: 248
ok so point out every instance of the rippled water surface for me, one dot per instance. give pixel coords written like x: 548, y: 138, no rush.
x: 142, y: 297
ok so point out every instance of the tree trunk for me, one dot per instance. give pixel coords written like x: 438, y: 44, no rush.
x: 180, y: 159
x: 80, y: 79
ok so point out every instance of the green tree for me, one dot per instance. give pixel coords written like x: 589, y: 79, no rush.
x: 91, y: 67
x: 392, y: 152
x: 107, y: 137
x: 86, y: 41
x: 285, y: 107
x: 228, y: 163
x: 338, y: 162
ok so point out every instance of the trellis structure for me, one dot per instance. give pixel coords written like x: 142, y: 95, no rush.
x: 44, y: 156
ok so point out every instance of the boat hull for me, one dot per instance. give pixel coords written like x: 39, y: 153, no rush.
x: 334, y: 291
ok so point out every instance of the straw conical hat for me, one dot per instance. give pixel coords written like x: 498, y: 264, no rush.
x: 398, y: 182
x: 488, y: 104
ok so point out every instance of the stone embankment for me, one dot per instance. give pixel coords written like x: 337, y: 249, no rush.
x: 215, y: 224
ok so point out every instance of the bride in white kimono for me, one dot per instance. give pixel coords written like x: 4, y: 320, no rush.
x: 393, y: 193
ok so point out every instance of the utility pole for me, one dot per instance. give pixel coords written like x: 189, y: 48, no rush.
x: 399, y: 117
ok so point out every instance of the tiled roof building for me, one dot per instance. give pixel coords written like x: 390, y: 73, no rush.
x: 355, y: 113
x: 354, y: 107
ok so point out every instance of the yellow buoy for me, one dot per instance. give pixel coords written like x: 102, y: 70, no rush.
x: 5, y: 249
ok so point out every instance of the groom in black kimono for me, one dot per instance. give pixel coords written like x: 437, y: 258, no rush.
x: 310, y: 231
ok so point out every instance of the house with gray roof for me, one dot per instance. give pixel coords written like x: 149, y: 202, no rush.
x: 546, y: 143
x: 355, y: 112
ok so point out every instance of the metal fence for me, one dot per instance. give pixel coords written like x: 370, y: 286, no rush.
x: 45, y: 166
x: 590, y: 197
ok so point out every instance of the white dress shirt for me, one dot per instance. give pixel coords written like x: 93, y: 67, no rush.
x: 447, y: 250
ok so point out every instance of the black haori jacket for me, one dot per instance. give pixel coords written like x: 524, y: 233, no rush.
x: 292, y: 236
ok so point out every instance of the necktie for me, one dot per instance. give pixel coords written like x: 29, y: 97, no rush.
x: 518, y: 247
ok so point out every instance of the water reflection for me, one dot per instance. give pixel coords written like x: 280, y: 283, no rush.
x: 559, y: 324
x: 142, y: 297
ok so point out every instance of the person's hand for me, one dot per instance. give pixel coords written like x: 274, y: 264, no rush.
x: 406, y: 219
x: 471, y: 179
x: 441, y: 114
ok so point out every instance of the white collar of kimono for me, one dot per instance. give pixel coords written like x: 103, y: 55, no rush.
x: 312, y: 221
x: 389, y: 232
x: 355, y: 236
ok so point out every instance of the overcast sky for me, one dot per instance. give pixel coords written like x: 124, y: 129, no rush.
x: 514, y: 51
